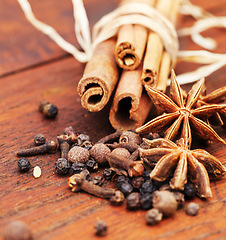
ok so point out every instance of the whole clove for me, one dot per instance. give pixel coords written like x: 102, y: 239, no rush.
x: 70, y: 131
x: 48, y: 147
x: 64, y: 145
x: 111, y: 137
x: 120, y: 164
x: 78, y: 182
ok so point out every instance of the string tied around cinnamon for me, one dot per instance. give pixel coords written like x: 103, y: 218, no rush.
x: 147, y: 16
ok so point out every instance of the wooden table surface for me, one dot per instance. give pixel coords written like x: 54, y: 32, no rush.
x: 33, y: 68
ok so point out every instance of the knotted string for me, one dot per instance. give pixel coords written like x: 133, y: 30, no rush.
x: 149, y: 17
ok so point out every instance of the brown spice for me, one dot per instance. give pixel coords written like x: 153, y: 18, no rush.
x: 48, y: 147
x: 78, y: 182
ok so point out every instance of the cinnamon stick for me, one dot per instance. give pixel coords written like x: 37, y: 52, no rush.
x: 131, y: 42
x: 155, y: 51
x: 131, y: 104
x: 100, y: 77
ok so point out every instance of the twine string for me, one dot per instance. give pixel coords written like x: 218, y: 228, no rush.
x: 149, y: 17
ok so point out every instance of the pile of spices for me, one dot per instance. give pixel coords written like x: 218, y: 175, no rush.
x: 149, y: 172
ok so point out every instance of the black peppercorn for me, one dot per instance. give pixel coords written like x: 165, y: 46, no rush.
x: 122, y: 179
x: 91, y: 165
x: 39, y: 139
x: 77, y: 167
x: 100, y: 228
x: 49, y: 110
x: 108, y: 173
x: 146, y: 201
x: 24, y: 164
x: 133, y: 201
x: 98, y: 180
x: 62, y: 166
x: 147, y: 187
x: 117, y: 199
x: 146, y: 175
x: 82, y: 138
x: 126, y: 188
x: 189, y: 191
x: 137, y: 182
x: 87, y: 144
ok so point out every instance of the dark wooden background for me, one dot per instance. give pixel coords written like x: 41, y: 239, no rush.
x: 33, y: 68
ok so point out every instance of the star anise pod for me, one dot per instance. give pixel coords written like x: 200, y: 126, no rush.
x: 180, y: 115
x: 215, y: 97
x: 170, y: 158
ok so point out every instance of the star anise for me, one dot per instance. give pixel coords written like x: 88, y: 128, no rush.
x: 215, y: 97
x: 170, y: 158
x: 180, y: 115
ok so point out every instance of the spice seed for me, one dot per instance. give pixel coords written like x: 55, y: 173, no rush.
x: 37, y: 172
x: 192, y: 209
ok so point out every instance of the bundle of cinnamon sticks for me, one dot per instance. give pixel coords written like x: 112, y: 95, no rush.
x: 123, y: 65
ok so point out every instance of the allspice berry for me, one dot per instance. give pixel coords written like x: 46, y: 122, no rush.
x: 165, y: 202
x: 17, y: 230
x: 78, y: 154
x: 98, y: 152
x: 121, y: 152
x: 130, y: 137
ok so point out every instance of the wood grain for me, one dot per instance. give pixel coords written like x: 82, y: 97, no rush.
x: 33, y: 68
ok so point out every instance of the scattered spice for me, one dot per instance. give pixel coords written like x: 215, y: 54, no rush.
x: 78, y: 154
x: 77, y: 167
x: 92, y: 165
x: 117, y: 199
x: 64, y: 145
x: 133, y: 201
x: 100, y: 228
x: 192, y: 209
x: 48, y: 147
x: 17, y: 230
x: 153, y: 216
x: 141, y: 171
x: 165, y: 202
x: 23, y: 164
x: 78, y: 182
x: 62, y: 166
x: 49, y: 110
x: 99, y: 152
x: 39, y: 139
x: 37, y: 172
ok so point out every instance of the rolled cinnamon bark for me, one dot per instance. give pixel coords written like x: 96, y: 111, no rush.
x: 155, y: 52
x: 131, y: 42
x: 131, y: 104
x: 100, y: 77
